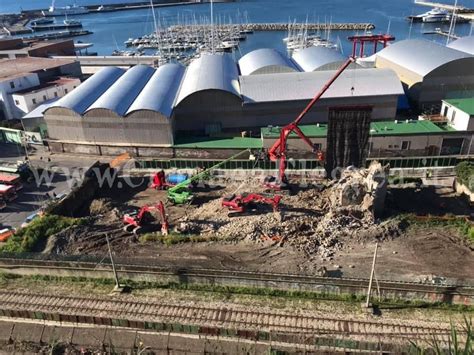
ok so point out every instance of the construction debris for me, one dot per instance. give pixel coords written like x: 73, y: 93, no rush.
x: 314, y: 221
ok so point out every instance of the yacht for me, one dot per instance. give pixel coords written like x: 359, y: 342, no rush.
x: 430, y: 16
x: 436, y: 15
x: 41, y: 21
x: 63, y: 11
x: 72, y: 23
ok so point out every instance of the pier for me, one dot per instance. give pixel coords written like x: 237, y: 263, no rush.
x: 286, y: 26
x: 441, y: 33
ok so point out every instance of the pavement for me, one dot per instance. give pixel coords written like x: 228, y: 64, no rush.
x: 34, y: 194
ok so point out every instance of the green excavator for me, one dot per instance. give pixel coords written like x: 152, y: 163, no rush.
x: 182, y: 194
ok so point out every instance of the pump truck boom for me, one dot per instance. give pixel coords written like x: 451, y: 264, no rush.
x: 181, y: 193
x: 278, y: 151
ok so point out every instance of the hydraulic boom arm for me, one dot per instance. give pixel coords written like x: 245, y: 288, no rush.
x: 278, y: 150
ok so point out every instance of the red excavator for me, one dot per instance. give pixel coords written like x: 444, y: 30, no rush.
x: 134, y: 221
x: 159, y: 181
x: 278, y: 151
x: 240, y: 203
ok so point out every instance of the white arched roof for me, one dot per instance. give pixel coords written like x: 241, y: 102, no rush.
x: 420, y: 56
x: 124, y: 91
x: 160, y: 92
x: 315, y: 58
x: 210, y: 72
x: 90, y: 90
x: 266, y: 60
x: 464, y: 44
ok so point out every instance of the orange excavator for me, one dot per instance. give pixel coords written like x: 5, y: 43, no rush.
x: 279, y: 149
x: 134, y: 221
x: 240, y: 203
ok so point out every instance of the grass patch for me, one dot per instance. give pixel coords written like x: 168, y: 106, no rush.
x: 463, y: 225
x: 28, y: 238
x: 175, y: 238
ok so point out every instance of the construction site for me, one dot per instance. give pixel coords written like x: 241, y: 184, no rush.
x: 347, y: 228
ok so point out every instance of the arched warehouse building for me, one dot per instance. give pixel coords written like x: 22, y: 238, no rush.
x: 430, y: 72
x: 122, y: 107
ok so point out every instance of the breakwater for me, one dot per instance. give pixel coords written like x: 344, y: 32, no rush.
x: 350, y: 26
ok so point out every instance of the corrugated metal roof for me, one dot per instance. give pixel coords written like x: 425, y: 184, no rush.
x: 419, y: 56
x: 124, y: 91
x: 38, y: 112
x: 303, y: 86
x: 266, y: 60
x: 90, y: 90
x: 464, y: 44
x: 315, y: 58
x: 210, y: 71
x: 160, y: 91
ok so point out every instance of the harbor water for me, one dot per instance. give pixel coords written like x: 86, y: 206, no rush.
x: 112, y: 29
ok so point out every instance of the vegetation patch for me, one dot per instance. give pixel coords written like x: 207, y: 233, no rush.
x: 28, y: 238
x: 462, y: 224
x: 176, y: 238
x: 465, y: 174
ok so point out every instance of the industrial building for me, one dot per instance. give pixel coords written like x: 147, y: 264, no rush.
x: 144, y: 106
x: 429, y: 71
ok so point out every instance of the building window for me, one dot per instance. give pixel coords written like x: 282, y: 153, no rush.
x: 55, y: 94
x: 33, y: 101
x: 453, y: 116
x: 65, y: 91
x: 318, y: 146
x: 445, y: 111
x: 406, y: 145
x: 44, y: 97
x: 17, y: 102
x: 12, y: 84
x: 74, y: 87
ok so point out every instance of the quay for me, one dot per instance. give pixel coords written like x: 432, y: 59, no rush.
x: 286, y: 26
x: 59, y: 35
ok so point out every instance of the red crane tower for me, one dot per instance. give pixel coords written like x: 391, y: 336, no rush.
x: 363, y: 39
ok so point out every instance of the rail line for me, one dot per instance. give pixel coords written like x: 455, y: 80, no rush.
x: 137, y: 314
x: 460, y: 294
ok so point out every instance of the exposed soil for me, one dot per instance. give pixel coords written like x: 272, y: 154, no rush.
x: 307, y: 235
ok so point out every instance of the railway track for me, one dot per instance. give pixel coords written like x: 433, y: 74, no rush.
x: 138, y: 314
x: 459, y: 294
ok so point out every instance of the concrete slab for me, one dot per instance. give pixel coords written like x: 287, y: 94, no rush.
x: 27, y: 332
x: 5, y: 331
x: 156, y: 342
x: 120, y: 340
x: 186, y: 345
x: 57, y: 334
x: 90, y: 337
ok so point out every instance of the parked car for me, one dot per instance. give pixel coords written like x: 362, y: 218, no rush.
x: 30, y: 219
x: 6, y: 232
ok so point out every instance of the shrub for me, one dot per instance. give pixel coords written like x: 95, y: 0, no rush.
x: 465, y: 173
x: 27, y: 239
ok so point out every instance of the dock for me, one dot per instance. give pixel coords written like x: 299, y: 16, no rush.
x: 54, y: 27
x: 60, y: 35
x: 286, y: 26
x: 441, y: 33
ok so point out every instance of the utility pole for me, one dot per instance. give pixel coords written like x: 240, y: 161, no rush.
x: 372, y: 272
x: 117, y: 287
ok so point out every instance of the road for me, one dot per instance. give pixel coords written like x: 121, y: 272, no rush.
x: 34, y: 194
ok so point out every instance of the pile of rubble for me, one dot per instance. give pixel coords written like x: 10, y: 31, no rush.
x: 315, y: 221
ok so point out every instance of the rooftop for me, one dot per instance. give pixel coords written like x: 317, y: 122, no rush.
x: 52, y: 83
x: 466, y: 105
x: 219, y: 143
x: 13, y: 68
x: 380, y: 128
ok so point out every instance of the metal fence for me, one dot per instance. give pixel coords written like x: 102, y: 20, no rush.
x: 302, y: 164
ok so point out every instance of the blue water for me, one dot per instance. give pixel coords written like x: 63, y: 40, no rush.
x: 112, y: 29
